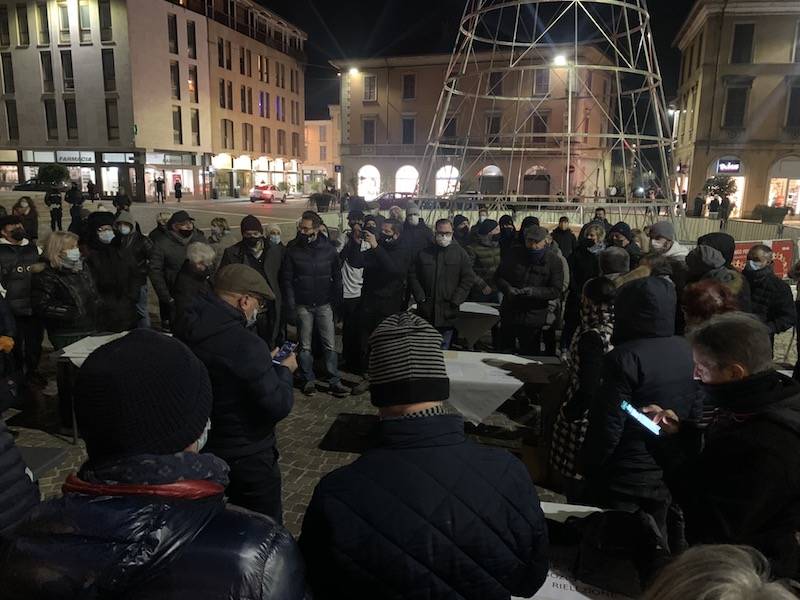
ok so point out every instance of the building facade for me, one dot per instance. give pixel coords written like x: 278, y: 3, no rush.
x: 322, y: 142
x: 388, y: 107
x: 738, y: 105
x: 122, y: 92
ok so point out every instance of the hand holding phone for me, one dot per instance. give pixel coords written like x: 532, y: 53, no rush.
x: 284, y: 353
x: 642, y: 419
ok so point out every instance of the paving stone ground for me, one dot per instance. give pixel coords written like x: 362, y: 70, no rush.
x: 302, y: 462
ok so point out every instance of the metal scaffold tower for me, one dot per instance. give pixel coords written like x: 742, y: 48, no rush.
x: 552, y: 101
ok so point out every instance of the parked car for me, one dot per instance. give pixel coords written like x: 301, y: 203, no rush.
x: 389, y: 199
x: 37, y: 185
x: 267, y: 194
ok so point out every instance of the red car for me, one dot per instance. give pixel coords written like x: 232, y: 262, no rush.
x: 267, y: 194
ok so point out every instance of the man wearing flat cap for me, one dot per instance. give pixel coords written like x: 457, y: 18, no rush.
x: 530, y: 279
x: 251, y: 394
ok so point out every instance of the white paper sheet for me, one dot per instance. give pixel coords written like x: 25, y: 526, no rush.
x: 78, y: 352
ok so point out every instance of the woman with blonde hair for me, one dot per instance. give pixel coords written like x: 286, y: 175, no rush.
x: 719, y: 573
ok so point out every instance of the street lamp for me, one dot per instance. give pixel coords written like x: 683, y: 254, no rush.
x: 353, y: 71
x: 560, y: 61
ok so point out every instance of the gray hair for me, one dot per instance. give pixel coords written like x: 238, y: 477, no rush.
x: 200, y: 253
x: 717, y: 573
x: 734, y: 338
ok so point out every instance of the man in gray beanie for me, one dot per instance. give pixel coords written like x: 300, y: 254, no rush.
x: 416, y: 234
x: 428, y: 513
x: 614, y: 262
x: 664, y: 241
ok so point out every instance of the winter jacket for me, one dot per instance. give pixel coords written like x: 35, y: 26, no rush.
x: 485, y: 260
x: 268, y: 264
x: 138, y: 249
x: 65, y: 300
x: 250, y: 393
x: 583, y: 266
x: 311, y: 275
x: 529, y: 287
x: 18, y: 494
x: 440, y: 280
x: 165, y: 542
x: 566, y: 240
x: 428, y: 514
x: 114, y: 275
x: 169, y: 252
x: 738, y: 482
x: 771, y: 299
x: 188, y: 284
x: 385, y: 276
x: 16, y: 262
x: 30, y: 223
x: 648, y: 365
x: 416, y: 237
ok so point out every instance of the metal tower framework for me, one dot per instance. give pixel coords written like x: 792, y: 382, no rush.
x: 562, y: 95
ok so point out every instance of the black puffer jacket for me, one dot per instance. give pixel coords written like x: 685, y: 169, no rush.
x: 65, y: 300
x: 114, y: 275
x: 188, y: 284
x: 428, y: 514
x: 566, y: 240
x: 648, y: 365
x: 440, y: 280
x: 100, y: 542
x: 771, y: 299
x: 311, y: 274
x: 385, y: 275
x: 16, y: 262
x: 138, y: 249
x: 416, y: 237
x: 485, y: 261
x: 250, y: 393
x: 529, y: 286
x: 739, y: 481
x: 169, y: 252
x: 583, y: 266
x: 18, y: 494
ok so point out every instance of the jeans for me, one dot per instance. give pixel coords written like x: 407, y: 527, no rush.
x: 56, y: 216
x: 255, y: 483
x: 351, y: 347
x: 319, y: 319
x: 447, y: 336
x: 141, y: 308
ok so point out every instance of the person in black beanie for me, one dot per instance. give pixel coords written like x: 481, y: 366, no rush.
x: 461, y: 230
x: 620, y: 235
x: 484, y: 254
x: 258, y: 252
x: 146, y: 513
x: 428, y: 513
x: 507, y: 233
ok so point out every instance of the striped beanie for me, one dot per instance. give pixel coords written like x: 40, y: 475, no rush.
x: 406, y: 364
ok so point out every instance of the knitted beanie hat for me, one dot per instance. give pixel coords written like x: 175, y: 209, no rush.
x: 487, y: 227
x: 145, y: 393
x: 663, y: 229
x: 251, y: 223
x: 614, y: 260
x: 458, y: 220
x: 406, y: 364
x: 622, y: 228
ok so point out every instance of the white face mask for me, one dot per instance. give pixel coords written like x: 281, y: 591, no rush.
x: 106, y: 236
x: 72, y: 255
x: 413, y: 219
x: 124, y: 229
x: 658, y: 245
x: 201, y: 442
x: 444, y: 239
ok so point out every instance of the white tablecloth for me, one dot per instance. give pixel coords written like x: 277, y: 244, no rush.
x: 560, y: 586
x: 79, y: 351
x: 476, y: 388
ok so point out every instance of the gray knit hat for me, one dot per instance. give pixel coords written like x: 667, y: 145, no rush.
x: 663, y: 229
x: 614, y: 260
x: 406, y: 363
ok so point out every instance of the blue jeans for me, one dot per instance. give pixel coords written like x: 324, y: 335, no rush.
x: 319, y: 319
x: 447, y: 336
x: 141, y: 308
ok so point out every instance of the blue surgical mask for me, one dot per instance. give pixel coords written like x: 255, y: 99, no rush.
x: 106, y: 236
x: 73, y: 254
x: 755, y: 266
x: 275, y: 239
x: 536, y: 253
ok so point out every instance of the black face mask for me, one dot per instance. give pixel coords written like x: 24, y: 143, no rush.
x: 18, y: 235
x: 185, y: 232
x: 304, y: 238
x: 251, y: 242
x: 387, y: 238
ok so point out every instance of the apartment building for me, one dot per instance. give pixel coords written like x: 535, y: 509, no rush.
x: 388, y: 107
x: 322, y: 159
x: 738, y: 107
x: 121, y: 91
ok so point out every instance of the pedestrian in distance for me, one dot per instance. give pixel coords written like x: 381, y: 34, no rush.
x: 54, y: 203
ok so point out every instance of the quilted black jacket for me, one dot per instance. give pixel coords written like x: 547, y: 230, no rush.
x: 311, y: 275
x: 18, y: 494
x: 66, y: 300
x: 426, y: 515
x: 771, y: 299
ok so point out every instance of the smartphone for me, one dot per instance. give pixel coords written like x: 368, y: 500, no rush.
x: 285, y: 351
x: 641, y: 418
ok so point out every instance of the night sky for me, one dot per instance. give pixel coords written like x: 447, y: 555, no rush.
x: 361, y: 28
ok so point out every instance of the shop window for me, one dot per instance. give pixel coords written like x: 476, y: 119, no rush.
x: 172, y: 33
x: 43, y: 22
x: 104, y: 13
x: 735, y: 106
x: 51, y: 119
x: 742, y: 47
x: 23, y: 33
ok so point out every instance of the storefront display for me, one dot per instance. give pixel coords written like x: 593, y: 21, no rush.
x: 784, y: 184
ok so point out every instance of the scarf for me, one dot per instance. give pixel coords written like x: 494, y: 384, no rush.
x: 153, y: 469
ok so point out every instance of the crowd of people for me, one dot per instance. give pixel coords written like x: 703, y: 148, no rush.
x: 673, y: 408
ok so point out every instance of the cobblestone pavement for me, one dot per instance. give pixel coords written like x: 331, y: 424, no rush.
x: 302, y: 462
